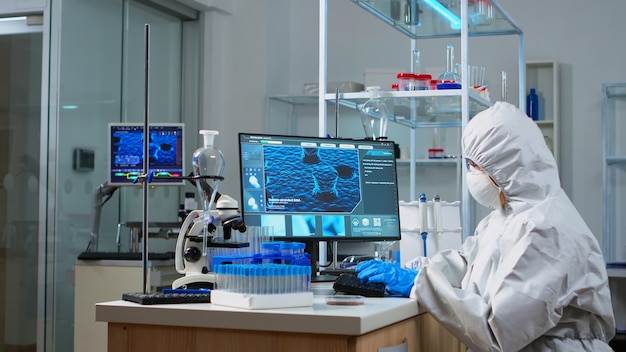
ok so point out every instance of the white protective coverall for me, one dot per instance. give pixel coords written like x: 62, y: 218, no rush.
x: 532, y: 277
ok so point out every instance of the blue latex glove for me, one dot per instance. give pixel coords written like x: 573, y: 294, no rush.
x: 398, y: 281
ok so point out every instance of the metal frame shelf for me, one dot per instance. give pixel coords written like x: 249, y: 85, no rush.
x: 429, y: 25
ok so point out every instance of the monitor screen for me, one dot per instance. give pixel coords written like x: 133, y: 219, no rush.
x: 320, y: 188
x: 166, y: 153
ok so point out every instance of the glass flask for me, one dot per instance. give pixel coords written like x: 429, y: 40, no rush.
x: 374, y: 115
x: 208, y: 164
x: 449, y: 79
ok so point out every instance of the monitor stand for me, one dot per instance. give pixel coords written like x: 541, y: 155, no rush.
x: 321, y: 254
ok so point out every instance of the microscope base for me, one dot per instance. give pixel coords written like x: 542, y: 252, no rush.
x: 194, y: 281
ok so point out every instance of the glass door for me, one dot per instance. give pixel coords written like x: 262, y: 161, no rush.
x: 20, y: 116
x: 99, y: 79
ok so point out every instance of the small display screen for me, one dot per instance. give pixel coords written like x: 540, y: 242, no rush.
x: 126, y: 153
x: 320, y: 188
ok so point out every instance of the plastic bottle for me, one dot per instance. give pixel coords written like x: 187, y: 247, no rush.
x: 532, y: 105
x: 374, y: 115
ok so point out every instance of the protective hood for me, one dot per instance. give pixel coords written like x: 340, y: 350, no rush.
x: 509, y: 146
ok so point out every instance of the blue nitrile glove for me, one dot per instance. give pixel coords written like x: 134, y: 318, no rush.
x: 398, y: 281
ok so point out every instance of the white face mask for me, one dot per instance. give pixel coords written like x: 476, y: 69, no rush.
x: 483, y: 190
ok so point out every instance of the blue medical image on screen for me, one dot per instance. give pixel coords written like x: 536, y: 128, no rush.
x: 328, y: 179
x: 320, y: 189
x: 253, y: 178
x: 277, y: 223
x: 303, y: 225
x: 333, y: 226
x: 129, y: 149
x: 165, y: 153
x: 253, y: 200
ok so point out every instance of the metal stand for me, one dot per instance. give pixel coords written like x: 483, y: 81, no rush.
x: 146, y: 157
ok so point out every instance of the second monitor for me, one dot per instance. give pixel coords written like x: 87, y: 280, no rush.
x: 166, y: 153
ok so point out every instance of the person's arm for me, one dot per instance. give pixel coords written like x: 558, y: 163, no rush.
x: 518, y: 304
x: 451, y: 263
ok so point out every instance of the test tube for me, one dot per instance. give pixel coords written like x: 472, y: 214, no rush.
x: 415, y: 63
x: 505, y: 87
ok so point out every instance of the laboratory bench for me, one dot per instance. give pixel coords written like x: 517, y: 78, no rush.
x: 380, y: 324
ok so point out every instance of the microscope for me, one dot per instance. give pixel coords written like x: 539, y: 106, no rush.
x: 193, y: 257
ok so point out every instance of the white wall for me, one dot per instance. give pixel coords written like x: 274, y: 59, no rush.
x: 270, y: 47
x: 590, y: 51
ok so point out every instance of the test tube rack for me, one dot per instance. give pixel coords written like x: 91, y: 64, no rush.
x: 262, y: 286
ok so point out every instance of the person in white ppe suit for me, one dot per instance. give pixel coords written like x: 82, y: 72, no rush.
x: 532, y: 277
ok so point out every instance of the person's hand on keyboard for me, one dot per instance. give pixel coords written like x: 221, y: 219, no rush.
x: 398, y: 281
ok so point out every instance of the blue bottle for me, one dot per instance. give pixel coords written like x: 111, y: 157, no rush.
x: 532, y: 105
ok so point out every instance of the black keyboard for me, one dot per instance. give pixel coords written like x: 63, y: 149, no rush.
x: 124, y: 256
x: 166, y: 298
x: 350, y: 283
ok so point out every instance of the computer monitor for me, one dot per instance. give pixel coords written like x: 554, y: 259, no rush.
x: 320, y: 188
x: 166, y: 153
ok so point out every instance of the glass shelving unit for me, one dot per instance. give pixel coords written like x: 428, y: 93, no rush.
x: 424, y: 19
x: 614, y: 189
x: 614, y: 170
x: 444, y: 104
x: 430, y: 23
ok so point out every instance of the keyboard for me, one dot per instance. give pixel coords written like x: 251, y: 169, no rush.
x: 350, y: 283
x: 124, y: 256
x: 166, y: 298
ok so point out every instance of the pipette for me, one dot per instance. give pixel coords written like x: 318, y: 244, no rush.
x: 424, y: 220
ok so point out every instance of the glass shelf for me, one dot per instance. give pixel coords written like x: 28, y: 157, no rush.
x: 435, y: 108
x: 444, y: 105
x: 616, y: 91
x: 616, y: 272
x: 614, y: 160
x: 430, y: 24
x: 296, y: 99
